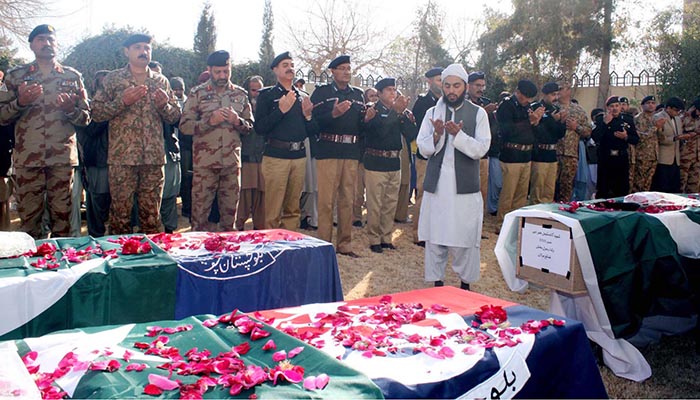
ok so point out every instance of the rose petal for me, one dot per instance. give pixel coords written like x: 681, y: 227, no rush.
x: 310, y: 383
x: 293, y: 376
x: 136, y: 367
x: 127, y: 355
x: 293, y: 352
x: 258, y: 333
x: 152, y: 390
x: 322, y: 381
x: 210, y: 322
x: 270, y: 345
x: 279, y: 356
x: 162, y: 382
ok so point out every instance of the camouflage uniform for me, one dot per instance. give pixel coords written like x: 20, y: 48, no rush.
x: 567, y: 150
x: 690, y: 157
x: 45, y: 144
x: 646, y: 152
x: 216, y: 151
x: 136, y: 154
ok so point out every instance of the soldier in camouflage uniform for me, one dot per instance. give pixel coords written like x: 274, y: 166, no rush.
x: 136, y: 101
x: 647, y: 150
x: 577, y: 127
x: 217, y: 113
x: 46, y: 101
x: 690, y: 150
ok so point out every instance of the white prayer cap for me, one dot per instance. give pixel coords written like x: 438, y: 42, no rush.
x: 455, y: 70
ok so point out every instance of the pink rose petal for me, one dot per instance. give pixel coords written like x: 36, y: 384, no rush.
x: 310, y: 383
x: 279, y: 356
x: 322, y: 381
x: 293, y: 352
x: 270, y: 345
x: 162, y: 382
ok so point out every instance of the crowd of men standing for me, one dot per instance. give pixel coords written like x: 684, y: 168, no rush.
x: 231, y: 152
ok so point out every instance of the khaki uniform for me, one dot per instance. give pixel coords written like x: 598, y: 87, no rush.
x: 646, y: 152
x: 45, y: 144
x: 401, y: 214
x: 136, y: 154
x: 216, y: 151
x: 567, y: 150
x: 690, y: 157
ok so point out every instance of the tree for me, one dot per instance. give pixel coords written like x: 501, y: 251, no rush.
x: 7, y: 54
x: 205, y: 38
x: 542, y: 39
x: 607, y: 45
x: 267, y: 51
x: 333, y: 28
x: 105, y: 51
x: 678, y: 53
x: 17, y: 16
x: 410, y: 57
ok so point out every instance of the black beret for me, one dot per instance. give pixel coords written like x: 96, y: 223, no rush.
x: 660, y: 106
x: 624, y: 99
x: 41, y: 30
x: 475, y: 76
x: 596, y: 112
x: 177, y: 83
x: 675, y: 102
x: 550, y: 87
x: 137, y: 38
x: 433, y: 72
x: 527, y: 88
x: 612, y: 100
x: 384, y: 83
x: 338, y: 61
x: 648, y: 98
x: 284, y: 56
x: 219, y: 58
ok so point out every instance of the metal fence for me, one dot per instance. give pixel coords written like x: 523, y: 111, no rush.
x: 628, y: 78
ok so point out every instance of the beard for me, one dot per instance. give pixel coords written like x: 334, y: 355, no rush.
x: 220, y: 82
x: 457, y: 102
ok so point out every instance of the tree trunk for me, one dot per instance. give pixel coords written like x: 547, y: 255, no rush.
x: 604, y: 84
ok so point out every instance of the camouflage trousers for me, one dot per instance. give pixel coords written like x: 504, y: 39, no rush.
x: 54, y: 184
x: 206, y: 183
x: 643, y: 174
x: 124, y: 181
x: 565, y: 177
x: 690, y: 174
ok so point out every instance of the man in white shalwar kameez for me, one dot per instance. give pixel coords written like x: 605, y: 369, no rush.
x: 454, y: 136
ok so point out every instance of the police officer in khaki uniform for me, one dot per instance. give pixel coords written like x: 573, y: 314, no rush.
x: 283, y: 116
x: 46, y: 100
x: 339, y: 112
x: 136, y: 101
x: 388, y: 125
x: 217, y: 113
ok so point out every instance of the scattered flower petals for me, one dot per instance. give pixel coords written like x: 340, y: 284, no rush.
x: 136, y: 367
x: 269, y: 345
x: 293, y: 352
x: 279, y: 356
x: 152, y: 390
x: 162, y: 382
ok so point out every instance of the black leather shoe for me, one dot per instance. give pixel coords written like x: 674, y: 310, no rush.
x: 304, y: 224
x: 420, y: 244
x: 439, y: 283
x: 357, y: 224
x: 349, y: 254
x: 464, y: 286
x: 388, y: 246
x: 376, y: 248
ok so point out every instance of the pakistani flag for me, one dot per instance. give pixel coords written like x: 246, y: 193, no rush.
x: 80, y: 282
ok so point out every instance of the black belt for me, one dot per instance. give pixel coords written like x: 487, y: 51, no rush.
x: 281, y: 144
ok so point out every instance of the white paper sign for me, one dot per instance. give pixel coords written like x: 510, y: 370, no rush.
x: 505, y: 383
x: 548, y: 248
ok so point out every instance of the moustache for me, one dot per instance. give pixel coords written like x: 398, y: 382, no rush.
x: 143, y: 56
x: 290, y: 71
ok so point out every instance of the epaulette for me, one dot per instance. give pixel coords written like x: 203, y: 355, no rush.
x: 73, y: 70
x: 265, y: 89
x: 241, y: 88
